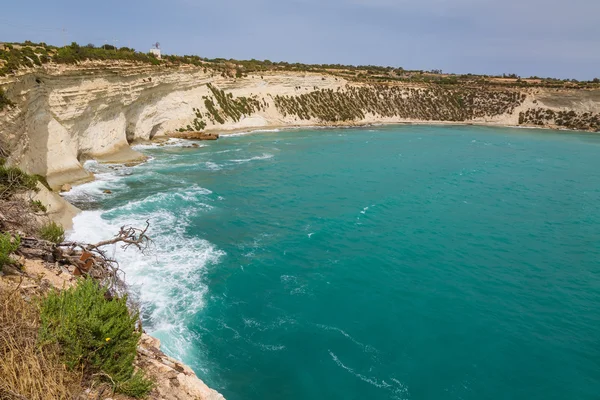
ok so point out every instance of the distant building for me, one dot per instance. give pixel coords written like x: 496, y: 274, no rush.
x: 156, y: 52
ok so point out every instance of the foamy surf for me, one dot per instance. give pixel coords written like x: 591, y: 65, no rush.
x: 167, y: 281
x: 106, y: 177
x: 172, y: 142
x: 397, y: 388
x: 238, y: 134
x: 265, y: 156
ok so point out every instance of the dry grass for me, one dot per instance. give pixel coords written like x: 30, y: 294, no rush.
x: 26, y: 370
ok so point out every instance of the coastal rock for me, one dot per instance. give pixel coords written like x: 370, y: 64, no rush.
x: 66, y: 187
x: 195, y: 135
x: 107, y: 191
x: 174, y: 380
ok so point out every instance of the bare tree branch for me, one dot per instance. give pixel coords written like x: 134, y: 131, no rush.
x: 128, y: 236
x: 87, y: 256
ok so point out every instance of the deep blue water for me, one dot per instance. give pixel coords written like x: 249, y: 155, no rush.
x: 404, y: 262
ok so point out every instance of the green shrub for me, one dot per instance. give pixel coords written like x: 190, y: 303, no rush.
x: 137, y: 386
x: 95, y: 334
x: 52, y: 232
x: 8, y: 245
x: 37, y: 206
x: 43, y: 181
x: 13, y: 181
x: 4, y: 101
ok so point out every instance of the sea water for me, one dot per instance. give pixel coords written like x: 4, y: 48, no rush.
x: 397, y: 262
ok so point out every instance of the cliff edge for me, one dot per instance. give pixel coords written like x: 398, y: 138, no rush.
x: 63, y: 114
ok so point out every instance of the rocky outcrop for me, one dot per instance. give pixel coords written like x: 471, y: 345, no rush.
x: 174, y: 380
x: 195, y: 135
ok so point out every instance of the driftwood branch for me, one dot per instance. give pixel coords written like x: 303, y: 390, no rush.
x: 128, y: 236
x: 88, y: 258
x: 92, y: 260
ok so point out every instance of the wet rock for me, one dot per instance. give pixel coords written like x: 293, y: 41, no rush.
x: 66, y: 187
x: 107, y: 191
x: 196, y: 135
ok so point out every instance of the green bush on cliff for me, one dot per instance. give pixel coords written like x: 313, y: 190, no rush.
x: 52, y: 232
x: 96, y: 335
x: 13, y: 181
x: 4, y: 101
x: 37, y: 206
x: 8, y: 245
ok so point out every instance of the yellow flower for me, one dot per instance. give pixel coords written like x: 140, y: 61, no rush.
x: 107, y: 339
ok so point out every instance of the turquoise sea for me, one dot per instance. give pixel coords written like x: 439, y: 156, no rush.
x: 396, y: 262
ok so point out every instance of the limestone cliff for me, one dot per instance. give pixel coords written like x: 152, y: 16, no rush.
x: 65, y: 114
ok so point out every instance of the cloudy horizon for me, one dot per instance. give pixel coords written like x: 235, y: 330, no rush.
x: 526, y: 37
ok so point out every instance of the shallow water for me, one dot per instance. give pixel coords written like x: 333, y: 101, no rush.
x: 405, y: 262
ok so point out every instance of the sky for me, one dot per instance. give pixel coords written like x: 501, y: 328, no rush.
x: 546, y: 38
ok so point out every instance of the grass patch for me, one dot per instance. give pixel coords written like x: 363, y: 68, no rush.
x: 8, y: 245
x: 13, y: 180
x: 52, y: 232
x: 95, y: 334
x: 37, y: 206
x: 28, y: 371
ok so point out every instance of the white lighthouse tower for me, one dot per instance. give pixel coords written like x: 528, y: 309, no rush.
x: 155, y: 50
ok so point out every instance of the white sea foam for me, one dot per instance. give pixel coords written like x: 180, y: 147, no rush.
x: 366, y: 348
x: 194, y: 195
x: 172, y: 142
x: 212, y: 166
x: 226, y: 151
x: 105, y: 177
x: 397, y: 388
x: 252, y: 323
x: 268, y: 347
x: 248, y: 132
x: 288, y: 279
x: 265, y: 156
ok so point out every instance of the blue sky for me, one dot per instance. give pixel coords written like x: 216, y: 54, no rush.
x: 556, y: 38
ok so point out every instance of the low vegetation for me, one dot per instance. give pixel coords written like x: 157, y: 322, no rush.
x: 37, y: 206
x: 16, y: 211
x: 29, y: 370
x: 235, y: 107
x: 52, y: 232
x: 587, y: 121
x: 4, y: 101
x: 13, y: 181
x: 97, y: 334
x: 198, y: 124
x: 229, y: 107
x: 8, y: 245
x: 29, y: 55
x: 222, y: 106
x: 426, y: 103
